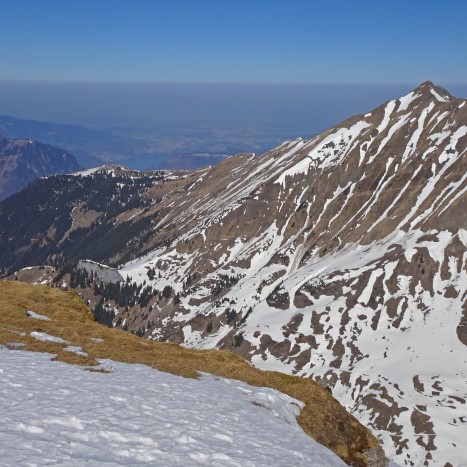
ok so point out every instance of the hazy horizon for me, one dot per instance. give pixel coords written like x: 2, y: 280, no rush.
x: 173, y: 119
x: 148, y: 105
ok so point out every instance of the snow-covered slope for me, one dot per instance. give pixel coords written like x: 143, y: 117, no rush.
x: 342, y: 258
x: 52, y: 413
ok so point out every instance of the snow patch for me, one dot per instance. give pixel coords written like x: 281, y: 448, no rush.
x: 407, y: 100
x: 44, y: 337
x: 34, y: 315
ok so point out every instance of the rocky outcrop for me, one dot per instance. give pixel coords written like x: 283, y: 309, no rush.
x: 100, y: 271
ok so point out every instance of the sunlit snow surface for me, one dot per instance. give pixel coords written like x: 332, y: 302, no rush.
x: 52, y: 413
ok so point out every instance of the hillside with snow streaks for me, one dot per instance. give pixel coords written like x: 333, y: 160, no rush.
x: 342, y: 258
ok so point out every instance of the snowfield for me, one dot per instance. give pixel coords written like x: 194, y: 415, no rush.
x: 52, y: 413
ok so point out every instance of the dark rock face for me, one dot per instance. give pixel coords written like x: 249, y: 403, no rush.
x: 22, y: 161
x: 342, y: 258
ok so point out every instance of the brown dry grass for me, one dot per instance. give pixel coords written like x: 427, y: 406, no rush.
x: 323, y: 418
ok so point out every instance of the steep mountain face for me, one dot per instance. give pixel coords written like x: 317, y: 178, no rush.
x: 342, y: 258
x: 22, y: 161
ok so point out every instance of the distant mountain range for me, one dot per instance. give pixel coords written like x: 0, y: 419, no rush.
x: 158, y: 148
x: 22, y: 161
x: 90, y: 147
x: 340, y: 258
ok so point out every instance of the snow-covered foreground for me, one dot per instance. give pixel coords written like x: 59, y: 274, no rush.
x: 52, y: 413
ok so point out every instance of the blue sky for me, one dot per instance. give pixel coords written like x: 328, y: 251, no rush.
x: 330, y: 41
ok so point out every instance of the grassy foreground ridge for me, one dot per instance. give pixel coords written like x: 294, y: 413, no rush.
x: 323, y: 418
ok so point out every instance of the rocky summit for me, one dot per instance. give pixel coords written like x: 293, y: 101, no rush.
x: 342, y: 258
